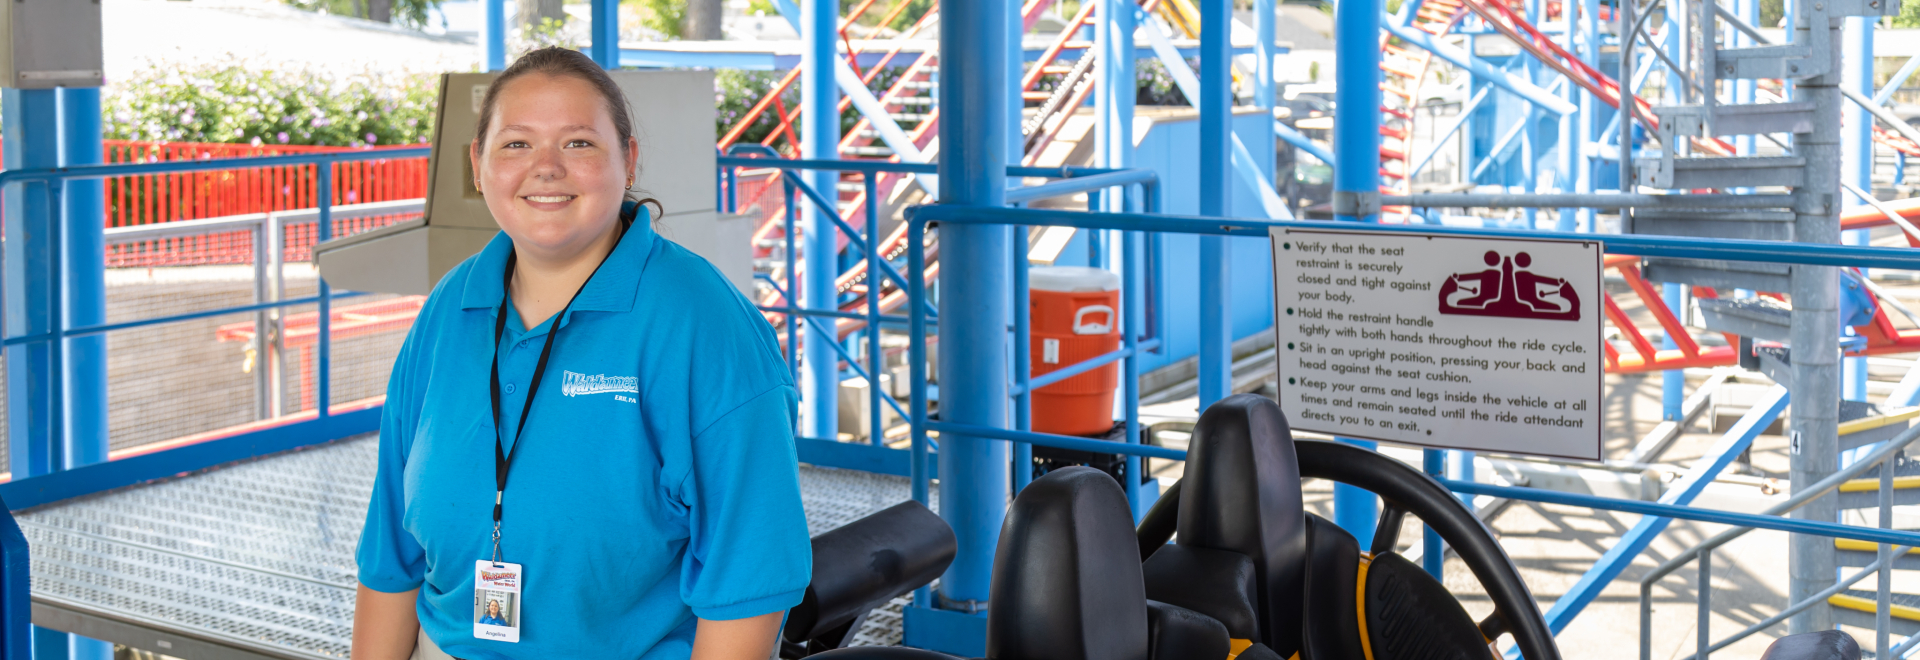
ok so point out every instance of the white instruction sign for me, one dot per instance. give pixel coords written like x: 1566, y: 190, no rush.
x: 1458, y: 343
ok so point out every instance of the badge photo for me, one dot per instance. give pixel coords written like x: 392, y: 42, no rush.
x: 496, y: 601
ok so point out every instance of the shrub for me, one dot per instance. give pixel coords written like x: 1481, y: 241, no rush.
x: 251, y: 102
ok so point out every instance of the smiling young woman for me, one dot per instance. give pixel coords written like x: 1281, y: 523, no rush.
x: 587, y: 422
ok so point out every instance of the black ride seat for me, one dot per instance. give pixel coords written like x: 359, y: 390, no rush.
x: 1239, y: 512
x: 1067, y: 585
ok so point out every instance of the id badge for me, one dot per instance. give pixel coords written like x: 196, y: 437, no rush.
x: 496, y: 601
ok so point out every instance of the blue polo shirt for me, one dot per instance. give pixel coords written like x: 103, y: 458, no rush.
x: 655, y: 482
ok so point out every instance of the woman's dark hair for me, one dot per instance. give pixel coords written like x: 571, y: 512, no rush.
x: 559, y: 62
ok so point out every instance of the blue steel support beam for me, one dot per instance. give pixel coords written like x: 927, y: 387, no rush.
x: 1216, y: 266
x: 1683, y: 492
x: 493, y: 37
x: 34, y: 421
x: 605, y: 30
x: 16, y: 601
x: 1356, y: 178
x: 1261, y: 145
x: 974, y: 301
x: 1114, y: 131
x: 86, y: 280
x: 1673, y: 382
x: 1589, y: 110
x: 1856, y: 161
x: 86, y: 296
x: 820, y: 139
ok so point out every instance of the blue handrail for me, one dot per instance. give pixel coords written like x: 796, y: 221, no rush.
x: 1643, y: 245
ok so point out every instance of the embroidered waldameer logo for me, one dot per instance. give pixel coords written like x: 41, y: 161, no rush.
x: 573, y: 384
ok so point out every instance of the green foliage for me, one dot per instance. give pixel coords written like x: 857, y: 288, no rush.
x: 244, y: 102
x: 410, y: 13
x: 665, y: 17
x: 1909, y: 14
x: 1155, y: 85
x: 737, y: 90
x: 763, y: 6
x: 1772, y: 11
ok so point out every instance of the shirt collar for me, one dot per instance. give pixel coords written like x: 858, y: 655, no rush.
x: 612, y: 289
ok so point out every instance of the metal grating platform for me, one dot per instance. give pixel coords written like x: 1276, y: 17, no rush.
x: 256, y: 560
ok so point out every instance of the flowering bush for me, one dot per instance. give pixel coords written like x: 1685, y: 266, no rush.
x: 250, y: 102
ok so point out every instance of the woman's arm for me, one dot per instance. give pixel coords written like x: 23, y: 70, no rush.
x: 738, y: 639
x: 385, y: 626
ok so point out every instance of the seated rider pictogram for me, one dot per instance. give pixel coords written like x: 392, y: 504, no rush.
x: 1507, y: 289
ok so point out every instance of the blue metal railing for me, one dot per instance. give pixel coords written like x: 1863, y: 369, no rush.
x: 1656, y: 514
x: 325, y: 424
x: 865, y: 242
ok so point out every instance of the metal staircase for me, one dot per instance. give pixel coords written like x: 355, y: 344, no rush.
x: 1856, y: 607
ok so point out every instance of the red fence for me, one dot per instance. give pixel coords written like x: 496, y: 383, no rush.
x: 146, y: 199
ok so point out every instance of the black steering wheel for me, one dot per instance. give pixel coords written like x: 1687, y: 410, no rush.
x: 1404, y: 490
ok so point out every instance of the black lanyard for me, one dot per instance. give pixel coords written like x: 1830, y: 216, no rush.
x: 502, y: 458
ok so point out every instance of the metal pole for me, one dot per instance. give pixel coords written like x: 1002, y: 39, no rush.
x: 1856, y: 148
x: 1116, y: 90
x: 1022, y: 346
x: 820, y: 139
x: 1883, y: 598
x: 606, y: 33
x: 32, y: 122
x: 1623, y: 23
x: 1022, y: 453
x: 1132, y: 288
x: 87, y: 429
x: 1815, y: 337
x: 974, y: 306
x: 323, y: 349
x: 1262, y: 144
x: 272, y: 343
x: 876, y: 364
x: 1673, y: 382
x: 1216, y: 181
x: 1589, y: 123
x: 494, y: 37
x: 1703, y: 609
x: 1356, y: 182
x: 1432, y: 557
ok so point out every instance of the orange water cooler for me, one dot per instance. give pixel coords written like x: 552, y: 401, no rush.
x: 1074, y: 316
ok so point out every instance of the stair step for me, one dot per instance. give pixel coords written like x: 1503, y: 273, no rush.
x: 1846, y: 558
x: 1870, y: 500
x: 909, y: 116
x: 867, y: 151
x: 1758, y: 118
x: 1720, y: 274
x: 908, y: 100
x: 1716, y: 223
x: 1732, y: 172
x: 1760, y: 318
x: 1905, y: 609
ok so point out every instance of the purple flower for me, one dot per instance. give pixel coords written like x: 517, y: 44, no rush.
x: 370, y: 138
x: 283, y: 137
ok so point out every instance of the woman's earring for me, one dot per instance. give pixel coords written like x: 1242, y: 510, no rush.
x: 476, y: 186
x: 629, y: 183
